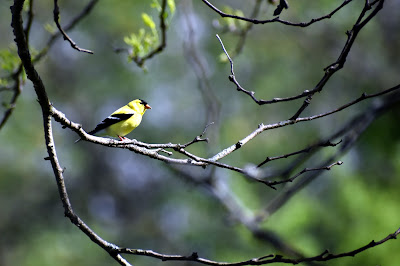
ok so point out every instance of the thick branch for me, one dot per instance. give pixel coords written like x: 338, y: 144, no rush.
x: 23, y: 52
x: 152, y: 150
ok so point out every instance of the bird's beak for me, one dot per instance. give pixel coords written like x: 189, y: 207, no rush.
x: 147, y: 106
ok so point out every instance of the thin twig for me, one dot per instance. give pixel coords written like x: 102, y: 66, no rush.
x: 267, y: 259
x: 329, y: 71
x: 56, y: 13
x: 199, y: 137
x: 233, y: 79
x: 16, y: 78
x: 349, y: 133
x: 29, y: 22
x: 305, y: 150
x: 261, y: 128
x: 244, y: 32
x: 276, y: 19
x: 85, y: 11
x: 336, y: 66
x: 305, y: 170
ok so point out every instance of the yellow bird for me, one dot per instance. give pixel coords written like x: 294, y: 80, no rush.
x: 124, y: 120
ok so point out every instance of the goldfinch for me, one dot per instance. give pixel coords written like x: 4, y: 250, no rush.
x: 123, y: 120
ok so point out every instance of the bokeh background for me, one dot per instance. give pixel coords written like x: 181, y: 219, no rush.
x: 137, y: 202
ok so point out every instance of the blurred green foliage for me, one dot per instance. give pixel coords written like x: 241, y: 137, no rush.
x: 144, y: 42
x: 9, y: 60
x: 134, y: 201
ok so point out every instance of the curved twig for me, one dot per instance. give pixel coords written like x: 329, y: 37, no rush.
x: 56, y: 13
x: 276, y: 19
x: 329, y: 70
x: 85, y: 11
x: 267, y: 259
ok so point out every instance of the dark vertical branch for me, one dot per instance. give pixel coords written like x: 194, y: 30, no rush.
x: 24, y: 54
x: 16, y: 75
x: 17, y: 89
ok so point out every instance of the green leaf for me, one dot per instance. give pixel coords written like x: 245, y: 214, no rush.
x: 134, y: 41
x: 8, y: 60
x: 130, y: 40
x: 26, y: 6
x: 148, y: 21
x: 3, y: 82
x: 171, y: 6
x: 155, y: 4
x: 231, y: 23
x: 51, y: 28
x: 240, y: 23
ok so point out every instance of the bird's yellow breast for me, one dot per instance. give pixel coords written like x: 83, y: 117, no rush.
x: 124, y: 127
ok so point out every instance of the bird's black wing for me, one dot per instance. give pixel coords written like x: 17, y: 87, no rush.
x: 109, y: 121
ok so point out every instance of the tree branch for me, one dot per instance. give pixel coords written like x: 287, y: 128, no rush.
x: 267, y: 259
x: 276, y: 19
x: 47, y: 112
x: 274, y: 183
x: 261, y: 128
x: 56, y: 13
x: 85, y: 11
x: 336, y: 66
x: 349, y: 134
x: 16, y: 88
x: 308, y: 149
x: 243, y: 31
x: 148, y: 149
x: 329, y: 71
